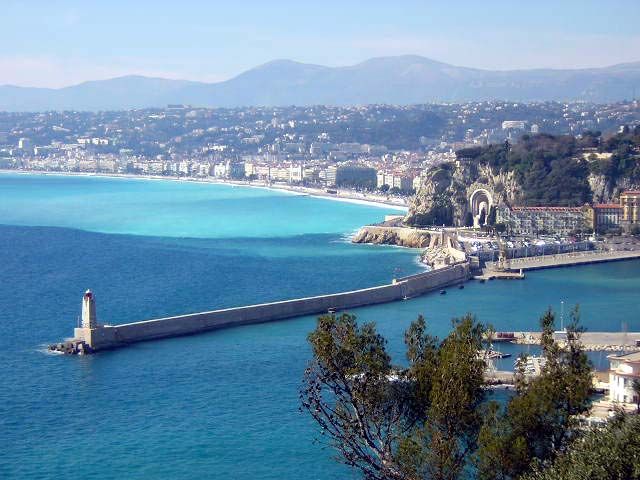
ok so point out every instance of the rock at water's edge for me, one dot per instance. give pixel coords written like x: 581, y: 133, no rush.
x: 400, y: 236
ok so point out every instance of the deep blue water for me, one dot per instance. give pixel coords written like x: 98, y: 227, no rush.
x: 222, y: 404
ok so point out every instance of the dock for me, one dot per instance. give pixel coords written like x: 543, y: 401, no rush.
x: 499, y: 275
x: 591, y: 341
x: 500, y: 377
x: 565, y: 260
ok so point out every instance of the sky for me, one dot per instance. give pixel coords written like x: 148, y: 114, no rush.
x: 55, y: 43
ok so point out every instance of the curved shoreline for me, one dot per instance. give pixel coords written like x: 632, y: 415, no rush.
x: 342, y: 196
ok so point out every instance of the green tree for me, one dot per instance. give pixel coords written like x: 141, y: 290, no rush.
x: 606, y: 453
x: 483, y: 216
x: 491, y: 218
x: 636, y: 392
x: 537, y: 423
x: 397, y: 423
x: 431, y: 418
x: 468, y: 219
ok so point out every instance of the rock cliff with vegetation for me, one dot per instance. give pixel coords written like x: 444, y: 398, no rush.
x: 538, y: 170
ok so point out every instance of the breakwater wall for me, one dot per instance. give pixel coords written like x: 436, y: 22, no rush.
x: 113, y: 336
x: 569, y: 259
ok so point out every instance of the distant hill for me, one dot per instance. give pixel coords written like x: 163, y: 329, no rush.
x: 392, y: 80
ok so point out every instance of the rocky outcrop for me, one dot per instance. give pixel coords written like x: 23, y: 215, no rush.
x: 400, y: 236
x: 443, y: 195
x: 605, y: 191
x: 440, y: 257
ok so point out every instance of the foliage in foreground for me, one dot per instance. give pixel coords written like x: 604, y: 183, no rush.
x: 431, y: 418
x: 608, y: 453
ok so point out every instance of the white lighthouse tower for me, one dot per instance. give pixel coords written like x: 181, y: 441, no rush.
x: 89, y: 319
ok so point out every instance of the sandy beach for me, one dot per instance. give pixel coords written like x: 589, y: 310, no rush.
x: 347, y: 196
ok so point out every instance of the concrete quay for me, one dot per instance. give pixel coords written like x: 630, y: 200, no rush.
x: 566, y: 260
x: 499, y: 275
x: 500, y: 377
x: 591, y: 341
x: 93, y: 337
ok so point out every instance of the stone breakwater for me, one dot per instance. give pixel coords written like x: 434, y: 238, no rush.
x: 591, y: 341
x: 400, y: 236
x: 88, y: 340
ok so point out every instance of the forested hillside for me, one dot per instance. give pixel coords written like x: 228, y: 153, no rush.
x: 555, y: 170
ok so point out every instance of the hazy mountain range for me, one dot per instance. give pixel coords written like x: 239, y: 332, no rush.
x: 391, y: 80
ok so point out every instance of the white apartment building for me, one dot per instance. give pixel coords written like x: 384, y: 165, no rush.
x: 184, y: 168
x: 514, y: 124
x: 623, y: 370
x: 220, y: 170
x: 296, y: 173
x: 394, y: 180
x: 279, y: 174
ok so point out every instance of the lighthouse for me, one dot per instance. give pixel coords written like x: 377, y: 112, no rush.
x: 89, y: 319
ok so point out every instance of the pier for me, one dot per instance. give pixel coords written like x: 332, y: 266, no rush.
x: 92, y: 336
x: 591, y: 341
x: 566, y: 260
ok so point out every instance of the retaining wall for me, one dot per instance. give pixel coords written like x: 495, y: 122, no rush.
x: 118, y: 335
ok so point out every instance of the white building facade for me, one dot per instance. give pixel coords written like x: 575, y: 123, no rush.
x: 623, y: 371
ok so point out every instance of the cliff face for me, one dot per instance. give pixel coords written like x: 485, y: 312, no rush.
x: 443, y: 196
x: 401, y: 236
x: 605, y: 191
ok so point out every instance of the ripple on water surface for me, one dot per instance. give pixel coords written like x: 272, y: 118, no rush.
x: 222, y: 404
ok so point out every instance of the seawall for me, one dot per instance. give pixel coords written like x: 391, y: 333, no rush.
x: 113, y: 336
x: 568, y: 260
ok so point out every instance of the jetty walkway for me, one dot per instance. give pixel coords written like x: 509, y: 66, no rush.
x: 567, y: 259
x: 591, y: 341
x: 92, y: 336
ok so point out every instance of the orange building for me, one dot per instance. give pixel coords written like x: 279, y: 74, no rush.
x: 606, y: 215
x: 630, y: 202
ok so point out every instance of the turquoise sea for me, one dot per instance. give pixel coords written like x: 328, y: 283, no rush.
x: 222, y: 404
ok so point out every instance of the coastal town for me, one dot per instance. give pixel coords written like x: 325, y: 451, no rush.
x: 365, y: 148
x: 378, y: 153
x: 337, y: 240
x: 471, y: 217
